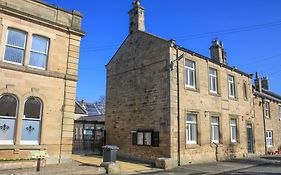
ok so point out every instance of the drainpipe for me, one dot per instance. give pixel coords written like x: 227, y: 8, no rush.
x: 178, y: 58
x: 264, y: 127
x: 178, y: 94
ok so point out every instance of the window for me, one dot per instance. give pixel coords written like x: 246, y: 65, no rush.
x: 8, y: 114
x: 191, y: 129
x: 266, y: 109
x: 213, y: 80
x: 279, y: 112
x: 233, y: 130
x: 215, y: 129
x: 146, y: 138
x: 245, y: 92
x: 15, y: 46
x: 231, y: 86
x: 269, y: 139
x: 190, y: 74
x: 39, y: 52
x: 31, y: 121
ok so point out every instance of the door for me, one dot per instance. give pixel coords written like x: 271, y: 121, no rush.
x: 250, y: 138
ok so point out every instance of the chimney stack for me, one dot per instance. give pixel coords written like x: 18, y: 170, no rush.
x: 217, y: 52
x: 265, y: 83
x: 137, y: 17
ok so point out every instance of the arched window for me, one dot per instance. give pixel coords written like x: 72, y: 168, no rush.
x: 8, y: 115
x: 31, y: 122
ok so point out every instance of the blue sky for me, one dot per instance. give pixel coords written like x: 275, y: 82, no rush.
x: 250, y: 30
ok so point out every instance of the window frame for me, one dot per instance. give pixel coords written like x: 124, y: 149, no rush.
x: 211, y: 77
x: 187, y: 74
x: 231, y: 84
x: 29, y: 142
x: 267, y: 109
x: 213, y: 130
x: 279, y: 109
x: 269, y: 138
x: 143, y: 138
x: 11, y: 142
x: 236, y: 129
x: 245, y: 91
x: 9, y: 45
x: 189, y: 130
x: 38, y: 52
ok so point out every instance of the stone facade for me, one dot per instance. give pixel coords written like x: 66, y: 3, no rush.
x: 54, y: 85
x: 149, y: 100
x: 268, y: 110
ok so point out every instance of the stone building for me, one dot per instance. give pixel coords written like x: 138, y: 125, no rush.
x: 165, y: 101
x: 268, y: 110
x: 39, y: 48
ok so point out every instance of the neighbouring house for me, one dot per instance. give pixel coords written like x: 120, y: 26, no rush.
x: 176, y: 104
x: 39, y: 48
x: 89, y: 129
x: 267, y: 108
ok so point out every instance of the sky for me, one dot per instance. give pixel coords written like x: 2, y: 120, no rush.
x: 250, y: 30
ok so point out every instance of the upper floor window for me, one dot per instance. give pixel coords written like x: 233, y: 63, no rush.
x: 8, y: 114
x: 279, y: 112
x: 190, y: 74
x: 245, y: 92
x: 191, y: 129
x: 213, y: 80
x: 39, y: 52
x: 215, y: 129
x: 266, y: 109
x: 231, y: 86
x: 15, y: 46
x: 233, y: 130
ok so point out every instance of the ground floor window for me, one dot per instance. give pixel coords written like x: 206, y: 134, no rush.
x: 191, y: 129
x: 145, y: 138
x: 233, y: 130
x: 269, y: 139
x: 8, y: 114
x: 31, y: 122
x: 215, y: 129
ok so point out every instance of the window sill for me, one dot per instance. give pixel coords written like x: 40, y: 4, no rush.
x: 35, y: 67
x: 216, y: 145
x: 234, y: 143
x: 191, y: 89
x: 23, y: 147
x: 233, y: 98
x: 214, y: 94
x: 192, y: 146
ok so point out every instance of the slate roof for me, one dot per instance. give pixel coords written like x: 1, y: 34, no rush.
x: 79, y: 109
x: 269, y: 95
x: 92, y: 118
x: 188, y: 51
x: 91, y: 108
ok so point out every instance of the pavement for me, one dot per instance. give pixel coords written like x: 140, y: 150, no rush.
x: 270, y: 165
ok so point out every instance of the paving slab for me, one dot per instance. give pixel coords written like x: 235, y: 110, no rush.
x: 126, y: 166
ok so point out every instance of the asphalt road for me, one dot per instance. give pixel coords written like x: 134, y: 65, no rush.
x: 260, y: 166
x: 265, y: 169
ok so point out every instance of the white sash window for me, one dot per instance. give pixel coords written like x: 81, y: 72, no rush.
x: 15, y: 46
x: 39, y: 52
